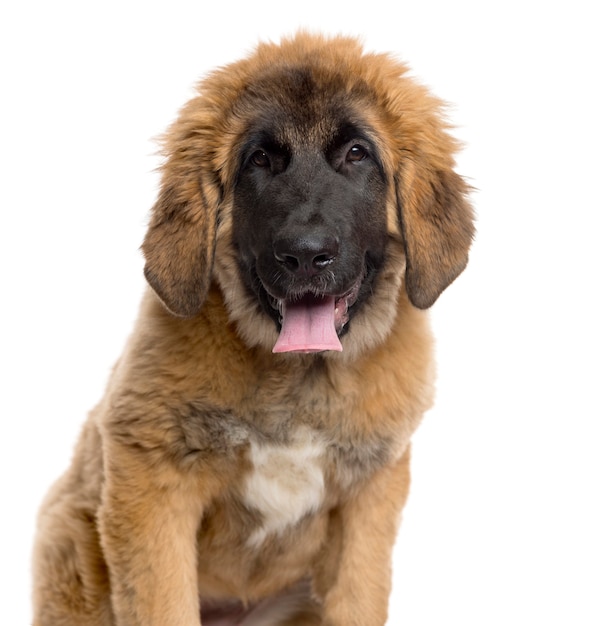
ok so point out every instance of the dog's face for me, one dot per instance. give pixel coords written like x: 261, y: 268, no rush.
x: 309, y: 214
x: 307, y: 180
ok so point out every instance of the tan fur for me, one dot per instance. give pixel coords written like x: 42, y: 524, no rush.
x: 153, y: 518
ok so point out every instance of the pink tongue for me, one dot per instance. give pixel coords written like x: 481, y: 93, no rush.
x: 309, y: 326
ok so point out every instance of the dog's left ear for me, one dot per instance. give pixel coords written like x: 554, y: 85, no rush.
x: 180, y: 242
x: 437, y: 224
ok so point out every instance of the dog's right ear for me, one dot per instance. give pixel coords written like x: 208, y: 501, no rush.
x: 180, y: 242
x: 179, y: 245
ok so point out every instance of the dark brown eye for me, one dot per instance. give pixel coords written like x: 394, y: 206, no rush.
x: 356, y: 153
x: 260, y: 159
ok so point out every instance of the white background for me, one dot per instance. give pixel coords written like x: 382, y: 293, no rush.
x: 509, y: 520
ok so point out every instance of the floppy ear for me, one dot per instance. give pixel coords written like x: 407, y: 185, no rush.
x: 180, y: 242
x: 437, y: 225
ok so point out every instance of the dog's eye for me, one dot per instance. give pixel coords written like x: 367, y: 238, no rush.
x: 356, y: 153
x: 260, y: 159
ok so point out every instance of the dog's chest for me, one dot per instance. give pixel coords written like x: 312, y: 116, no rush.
x: 286, y: 482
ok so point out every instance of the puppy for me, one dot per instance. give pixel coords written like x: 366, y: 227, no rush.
x: 249, y: 460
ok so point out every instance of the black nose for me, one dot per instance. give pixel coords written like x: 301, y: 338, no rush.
x: 306, y: 255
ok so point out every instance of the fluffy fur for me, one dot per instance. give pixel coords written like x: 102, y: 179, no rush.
x: 217, y: 482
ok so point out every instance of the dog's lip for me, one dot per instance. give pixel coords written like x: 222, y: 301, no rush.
x: 342, y: 303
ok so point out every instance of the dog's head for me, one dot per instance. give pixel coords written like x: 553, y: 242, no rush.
x: 307, y: 179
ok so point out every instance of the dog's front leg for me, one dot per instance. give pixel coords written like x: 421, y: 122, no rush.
x: 359, y: 582
x: 148, y: 522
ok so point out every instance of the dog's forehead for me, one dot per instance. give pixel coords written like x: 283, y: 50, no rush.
x: 303, y: 104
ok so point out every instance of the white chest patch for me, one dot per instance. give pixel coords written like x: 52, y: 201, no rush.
x: 286, y: 483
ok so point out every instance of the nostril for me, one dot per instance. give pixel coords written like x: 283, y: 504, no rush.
x: 292, y: 262
x: 323, y: 260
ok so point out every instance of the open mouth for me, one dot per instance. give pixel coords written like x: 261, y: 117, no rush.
x: 311, y: 322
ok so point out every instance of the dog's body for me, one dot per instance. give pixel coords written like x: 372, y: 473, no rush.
x: 249, y: 461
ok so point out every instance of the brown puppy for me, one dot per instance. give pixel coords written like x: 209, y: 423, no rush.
x: 249, y: 461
